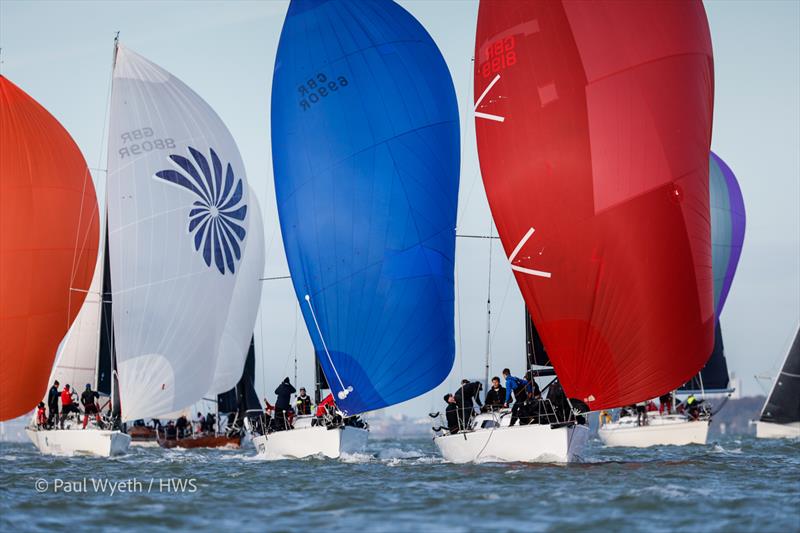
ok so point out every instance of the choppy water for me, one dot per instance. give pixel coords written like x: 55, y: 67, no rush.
x: 735, y: 484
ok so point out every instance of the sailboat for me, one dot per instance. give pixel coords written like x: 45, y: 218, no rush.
x: 665, y: 427
x: 365, y: 144
x: 87, y: 356
x: 593, y: 124
x: 48, y: 244
x: 238, y: 412
x: 177, y: 235
x: 780, y: 416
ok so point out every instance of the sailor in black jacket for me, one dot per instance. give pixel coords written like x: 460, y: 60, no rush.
x: 466, y: 396
x: 495, y: 396
x: 52, y: 403
x: 284, y: 393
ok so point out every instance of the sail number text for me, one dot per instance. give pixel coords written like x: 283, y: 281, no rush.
x: 140, y: 141
x: 500, y: 55
x: 319, y: 87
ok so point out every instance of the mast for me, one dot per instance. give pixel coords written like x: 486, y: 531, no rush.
x: 116, y: 410
x: 320, y: 381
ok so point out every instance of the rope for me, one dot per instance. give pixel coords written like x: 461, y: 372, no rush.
x: 345, y: 390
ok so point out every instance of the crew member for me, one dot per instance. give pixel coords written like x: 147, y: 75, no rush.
x: 665, y: 402
x: 89, y: 406
x: 451, y: 413
x: 303, y: 403
x: 516, y: 385
x: 41, y: 416
x: 641, y: 414
x: 182, y: 427
x: 67, y: 405
x: 495, y: 396
x: 52, y: 404
x: 200, y: 423
x: 283, y: 405
x: 466, y: 396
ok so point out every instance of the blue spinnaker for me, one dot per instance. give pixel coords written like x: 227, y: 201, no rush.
x: 366, y: 157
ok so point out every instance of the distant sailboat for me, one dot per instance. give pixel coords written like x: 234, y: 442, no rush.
x: 728, y: 222
x: 780, y: 417
x: 593, y: 124
x: 178, y: 233
x: 49, y: 235
x: 365, y: 144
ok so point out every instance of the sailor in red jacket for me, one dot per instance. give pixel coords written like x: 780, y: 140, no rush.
x: 67, y: 405
x: 41, y: 416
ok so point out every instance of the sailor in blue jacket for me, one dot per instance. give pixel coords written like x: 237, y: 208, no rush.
x: 517, y: 385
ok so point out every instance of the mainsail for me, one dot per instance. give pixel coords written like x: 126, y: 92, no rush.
x: 178, y: 229
x: 77, y: 361
x: 365, y: 144
x: 783, y: 403
x: 48, y: 244
x: 727, y: 239
x: 593, y: 124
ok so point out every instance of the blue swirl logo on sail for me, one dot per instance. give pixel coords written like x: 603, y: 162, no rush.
x: 217, y: 215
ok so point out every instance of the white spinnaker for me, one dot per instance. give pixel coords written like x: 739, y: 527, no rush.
x: 76, y: 363
x: 244, y: 308
x: 171, y: 160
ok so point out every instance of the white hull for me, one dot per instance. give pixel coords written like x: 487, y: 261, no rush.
x: 306, y: 441
x: 99, y: 442
x: 768, y: 430
x: 675, y: 430
x: 534, y: 443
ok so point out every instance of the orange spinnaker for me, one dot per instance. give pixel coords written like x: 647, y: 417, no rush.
x: 49, y: 235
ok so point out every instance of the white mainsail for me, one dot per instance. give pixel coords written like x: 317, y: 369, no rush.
x: 178, y: 229
x: 244, y: 308
x: 76, y: 363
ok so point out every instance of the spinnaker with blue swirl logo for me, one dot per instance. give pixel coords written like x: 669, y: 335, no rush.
x: 180, y: 229
x: 366, y: 156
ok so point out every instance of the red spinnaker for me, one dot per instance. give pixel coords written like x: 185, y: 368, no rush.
x: 593, y: 122
x: 49, y: 235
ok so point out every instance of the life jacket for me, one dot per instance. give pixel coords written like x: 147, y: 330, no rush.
x: 66, y: 397
x: 41, y: 416
x: 303, y: 405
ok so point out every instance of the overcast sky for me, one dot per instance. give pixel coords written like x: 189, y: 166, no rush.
x: 60, y: 53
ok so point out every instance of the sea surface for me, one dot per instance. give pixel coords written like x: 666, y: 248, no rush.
x: 734, y: 484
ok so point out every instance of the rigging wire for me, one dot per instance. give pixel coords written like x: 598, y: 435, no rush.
x: 488, y: 312
x: 345, y: 390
